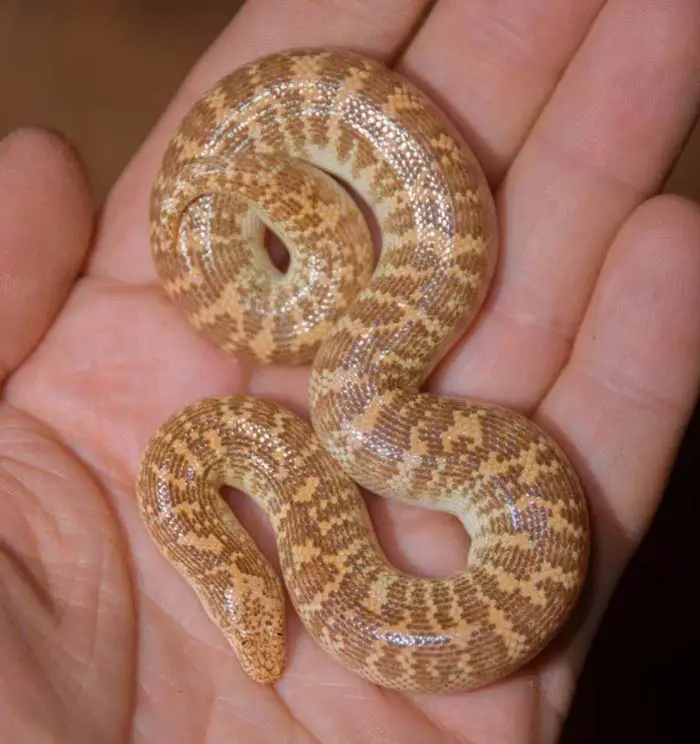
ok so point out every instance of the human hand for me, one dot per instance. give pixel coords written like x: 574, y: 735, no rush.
x: 591, y: 327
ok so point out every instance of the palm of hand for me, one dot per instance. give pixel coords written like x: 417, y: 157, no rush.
x: 99, y: 638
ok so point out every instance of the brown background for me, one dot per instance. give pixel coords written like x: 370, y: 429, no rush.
x: 101, y: 71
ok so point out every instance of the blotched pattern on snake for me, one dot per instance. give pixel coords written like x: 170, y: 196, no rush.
x: 261, y: 149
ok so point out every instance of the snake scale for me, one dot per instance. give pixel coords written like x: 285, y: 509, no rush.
x: 269, y: 146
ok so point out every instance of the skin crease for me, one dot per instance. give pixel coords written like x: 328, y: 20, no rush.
x: 592, y: 327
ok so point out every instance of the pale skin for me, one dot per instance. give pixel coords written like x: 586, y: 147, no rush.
x: 577, y: 112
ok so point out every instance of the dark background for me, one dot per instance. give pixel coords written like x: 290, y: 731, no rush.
x: 101, y: 71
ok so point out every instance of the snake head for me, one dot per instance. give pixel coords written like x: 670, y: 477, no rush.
x: 250, y: 613
x: 261, y: 652
x: 255, y: 626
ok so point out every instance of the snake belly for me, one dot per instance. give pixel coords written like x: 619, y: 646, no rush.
x: 268, y: 147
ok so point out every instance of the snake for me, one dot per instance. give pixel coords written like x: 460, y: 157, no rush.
x: 312, y: 145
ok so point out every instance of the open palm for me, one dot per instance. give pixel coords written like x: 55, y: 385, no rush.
x: 576, y: 109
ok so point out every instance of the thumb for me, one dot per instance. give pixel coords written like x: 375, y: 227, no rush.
x: 46, y: 218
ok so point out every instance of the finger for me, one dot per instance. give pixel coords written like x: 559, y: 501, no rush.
x: 261, y: 27
x: 604, y: 143
x: 629, y: 389
x: 46, y: 214
x: 493, y: 66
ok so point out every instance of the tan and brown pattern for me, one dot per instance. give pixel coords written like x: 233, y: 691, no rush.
x: 248, y: 155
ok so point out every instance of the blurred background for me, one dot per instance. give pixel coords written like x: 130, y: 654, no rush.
x: 101, y: 72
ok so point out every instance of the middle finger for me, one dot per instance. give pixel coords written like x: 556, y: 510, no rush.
x: 493, y: 65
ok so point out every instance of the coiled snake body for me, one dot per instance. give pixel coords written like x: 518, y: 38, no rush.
x: 255, y: 151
